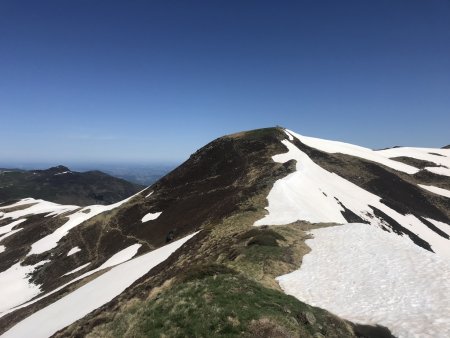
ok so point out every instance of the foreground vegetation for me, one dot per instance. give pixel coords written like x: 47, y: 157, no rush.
x: 216, y: 302
x: 237, y: 297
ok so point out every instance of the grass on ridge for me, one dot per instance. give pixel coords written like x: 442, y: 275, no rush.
x: 215, y: 301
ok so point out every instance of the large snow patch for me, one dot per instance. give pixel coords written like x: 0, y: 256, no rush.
x: 316, y: 195
x: 440, y: 157
x: 353, y: 150
x: 15, y: 285
x: 366, y: 275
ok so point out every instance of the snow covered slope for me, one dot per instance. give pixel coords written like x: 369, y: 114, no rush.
x: 43, y: 253
x: 92, y: 295
x: 352, y: 150
x: 393, y: 268
x: 366, y: 275
x: 439, y: 157
x: 15, y: 284
x: 316, y: 195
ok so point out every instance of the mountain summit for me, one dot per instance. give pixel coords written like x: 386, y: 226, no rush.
x: 265, y: 233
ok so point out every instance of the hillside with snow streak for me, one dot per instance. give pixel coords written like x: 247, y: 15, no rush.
x: 359, y: 237
x: 15, y: 285
x: 375, y: 272
x: 45, y: 258
x: 92, y: 295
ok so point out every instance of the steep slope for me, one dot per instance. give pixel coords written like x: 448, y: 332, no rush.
x: 223, y: 251
x: 347, y: 183
x: 375, y: 271
x: 62, y: 185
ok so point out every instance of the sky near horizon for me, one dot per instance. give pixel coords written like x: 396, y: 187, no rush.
x: 141, y: 81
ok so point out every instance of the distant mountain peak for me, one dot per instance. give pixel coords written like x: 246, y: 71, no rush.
x: 60, y: 168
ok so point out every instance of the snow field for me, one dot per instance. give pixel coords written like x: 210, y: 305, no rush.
x: 367, y: 275
x: 15, y: 286
x: 359, y: 271
x: 440, y: 157
x: 313, y: 194
x: 353, y: 150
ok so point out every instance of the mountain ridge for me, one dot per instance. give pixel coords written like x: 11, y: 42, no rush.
x: 219, y: 194
x: 59, y: 184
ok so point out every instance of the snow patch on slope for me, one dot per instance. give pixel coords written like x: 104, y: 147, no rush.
x: 51, y: 241
x: 8, y: 227
x: 316, y: 195
x: 440, y: 157
x: 23, y: 201
x: 12, y: 232
x: 73, y: 251
x: 151, y: 216
x: 92, y: 295
x: 121, y: 256
x: 6, y: 231
x: 291, y: 138
x: 36, y: 207
x: 353, y: 150
x: 64, y: 172
x: 77, y: 269
x: 118, y: 258
x: 15, y: 285
x: 436, y: 190
x: 439, y: 170
x: 366, y: 275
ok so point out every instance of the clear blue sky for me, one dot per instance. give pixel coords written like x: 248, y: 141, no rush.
x: 148, y: 81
